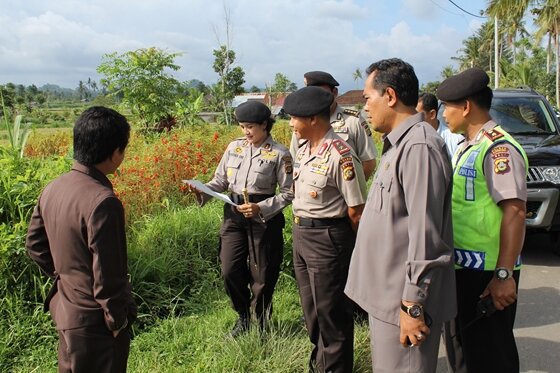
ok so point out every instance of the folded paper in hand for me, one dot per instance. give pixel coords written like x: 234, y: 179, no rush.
x: 204, y: 189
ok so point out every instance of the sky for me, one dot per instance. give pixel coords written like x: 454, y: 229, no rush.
x: 63, y: 41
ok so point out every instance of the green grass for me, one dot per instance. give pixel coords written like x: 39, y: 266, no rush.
x: 185, y: 314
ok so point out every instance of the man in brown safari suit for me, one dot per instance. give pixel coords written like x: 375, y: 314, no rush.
x: 77, y: 237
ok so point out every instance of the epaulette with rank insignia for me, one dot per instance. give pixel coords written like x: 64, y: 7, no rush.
x: 493, y: 134
x: 341, y: 147
x: 355, y: 113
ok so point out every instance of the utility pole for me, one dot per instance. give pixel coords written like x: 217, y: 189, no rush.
x: 496, y: 55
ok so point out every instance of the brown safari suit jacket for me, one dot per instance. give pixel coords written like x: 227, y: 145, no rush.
x: 77, y: 237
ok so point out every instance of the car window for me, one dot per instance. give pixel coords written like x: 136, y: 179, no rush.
x: 522, y: 114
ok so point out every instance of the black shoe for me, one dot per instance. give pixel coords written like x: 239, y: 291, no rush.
x: 241, y: 327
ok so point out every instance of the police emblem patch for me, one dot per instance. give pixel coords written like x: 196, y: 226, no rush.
x: 238, y: 150
x: 348, y: 173
x: 501, y: 165
x: 288, y: 168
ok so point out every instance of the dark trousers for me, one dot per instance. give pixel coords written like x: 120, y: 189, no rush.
x: 321, y: 261
x: 92, y: 349
x: 487, y: 345
x: 250, y: 287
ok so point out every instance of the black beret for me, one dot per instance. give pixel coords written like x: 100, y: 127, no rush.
x: 252, y: 112
x: 319, y: 78
x: 308, y: 101
x: 463, y: 85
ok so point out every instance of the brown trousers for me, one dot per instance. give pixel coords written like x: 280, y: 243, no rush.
x: 92, y: 349
x: 250, y: 286
x: 321, y: 261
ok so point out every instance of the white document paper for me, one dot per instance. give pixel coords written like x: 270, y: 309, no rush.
x: 204, y: 189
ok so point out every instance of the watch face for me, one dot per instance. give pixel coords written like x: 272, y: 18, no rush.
x: 415, y: 311
x: 502, y: 274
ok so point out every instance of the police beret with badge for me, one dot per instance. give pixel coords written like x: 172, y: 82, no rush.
x: 317, y: 78
x: 252, y: 112
x: 463, y: 85
x: 308, y: 101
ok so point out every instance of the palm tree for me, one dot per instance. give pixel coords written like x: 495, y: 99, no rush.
x: 357, y: 75
x: 548, y: 21
x: 447, y: 72
x: 510, y: 13
x: 470, y: 53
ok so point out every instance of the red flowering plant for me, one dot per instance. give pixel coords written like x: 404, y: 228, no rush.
x: 150, y: 177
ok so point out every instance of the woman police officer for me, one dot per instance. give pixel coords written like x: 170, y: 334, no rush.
x: 251, y: 234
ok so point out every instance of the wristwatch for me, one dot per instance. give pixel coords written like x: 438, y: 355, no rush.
x: 414, y: 311
x: 503, y: 273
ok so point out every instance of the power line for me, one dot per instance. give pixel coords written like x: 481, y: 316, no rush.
x: 466, y: 11
x: 445, y: 10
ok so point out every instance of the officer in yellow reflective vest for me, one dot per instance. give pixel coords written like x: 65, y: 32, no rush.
x: 488, y: 208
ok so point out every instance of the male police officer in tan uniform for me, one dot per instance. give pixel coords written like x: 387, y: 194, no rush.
x: 346, y: 123
x: 329, y: 194
x: 489, y: 204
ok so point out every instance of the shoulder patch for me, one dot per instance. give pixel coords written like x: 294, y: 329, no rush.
x: 341, y: 147
x: 500, y: 151
x: 365, y: 125
x: 352, y: 112
x: 493, y: 134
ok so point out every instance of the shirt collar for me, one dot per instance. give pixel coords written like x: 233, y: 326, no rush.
x: 485, y: 128
x: 93, y: 172
x: 398, y: 133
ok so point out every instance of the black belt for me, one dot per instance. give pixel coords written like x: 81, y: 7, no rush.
x: 239, y: 200
x: 311, y: 222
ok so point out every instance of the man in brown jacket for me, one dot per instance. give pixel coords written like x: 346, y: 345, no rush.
x: 77, y: 237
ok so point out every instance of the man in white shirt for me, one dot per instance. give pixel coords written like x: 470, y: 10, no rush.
x: 428, y: 104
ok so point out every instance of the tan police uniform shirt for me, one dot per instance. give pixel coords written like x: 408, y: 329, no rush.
x: 404, y: 248
x: 353, y: 128
x: 508, y: 181
x: 257, y: 169
x: 328, y: 181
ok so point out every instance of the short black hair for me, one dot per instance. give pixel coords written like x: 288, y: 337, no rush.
x: 482, y: 99
x: 397, y: 74
x: 98, y: 132
x: 429, y: 101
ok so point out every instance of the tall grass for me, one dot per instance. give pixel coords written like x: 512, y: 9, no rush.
x: 184, y: 313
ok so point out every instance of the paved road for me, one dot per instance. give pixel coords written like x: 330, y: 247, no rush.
x: 537, y: 326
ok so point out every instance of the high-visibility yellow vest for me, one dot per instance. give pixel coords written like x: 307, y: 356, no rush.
x: 476, y: 217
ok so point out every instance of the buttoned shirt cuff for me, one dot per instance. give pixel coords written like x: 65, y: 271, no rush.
x: 414, y: 293
x: 264, y: 213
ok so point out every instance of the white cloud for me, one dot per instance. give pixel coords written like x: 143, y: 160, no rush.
x: 62, y: 41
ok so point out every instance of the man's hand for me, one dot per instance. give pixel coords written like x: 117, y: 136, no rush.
x: 503, y: 292
x: 413, y: 330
